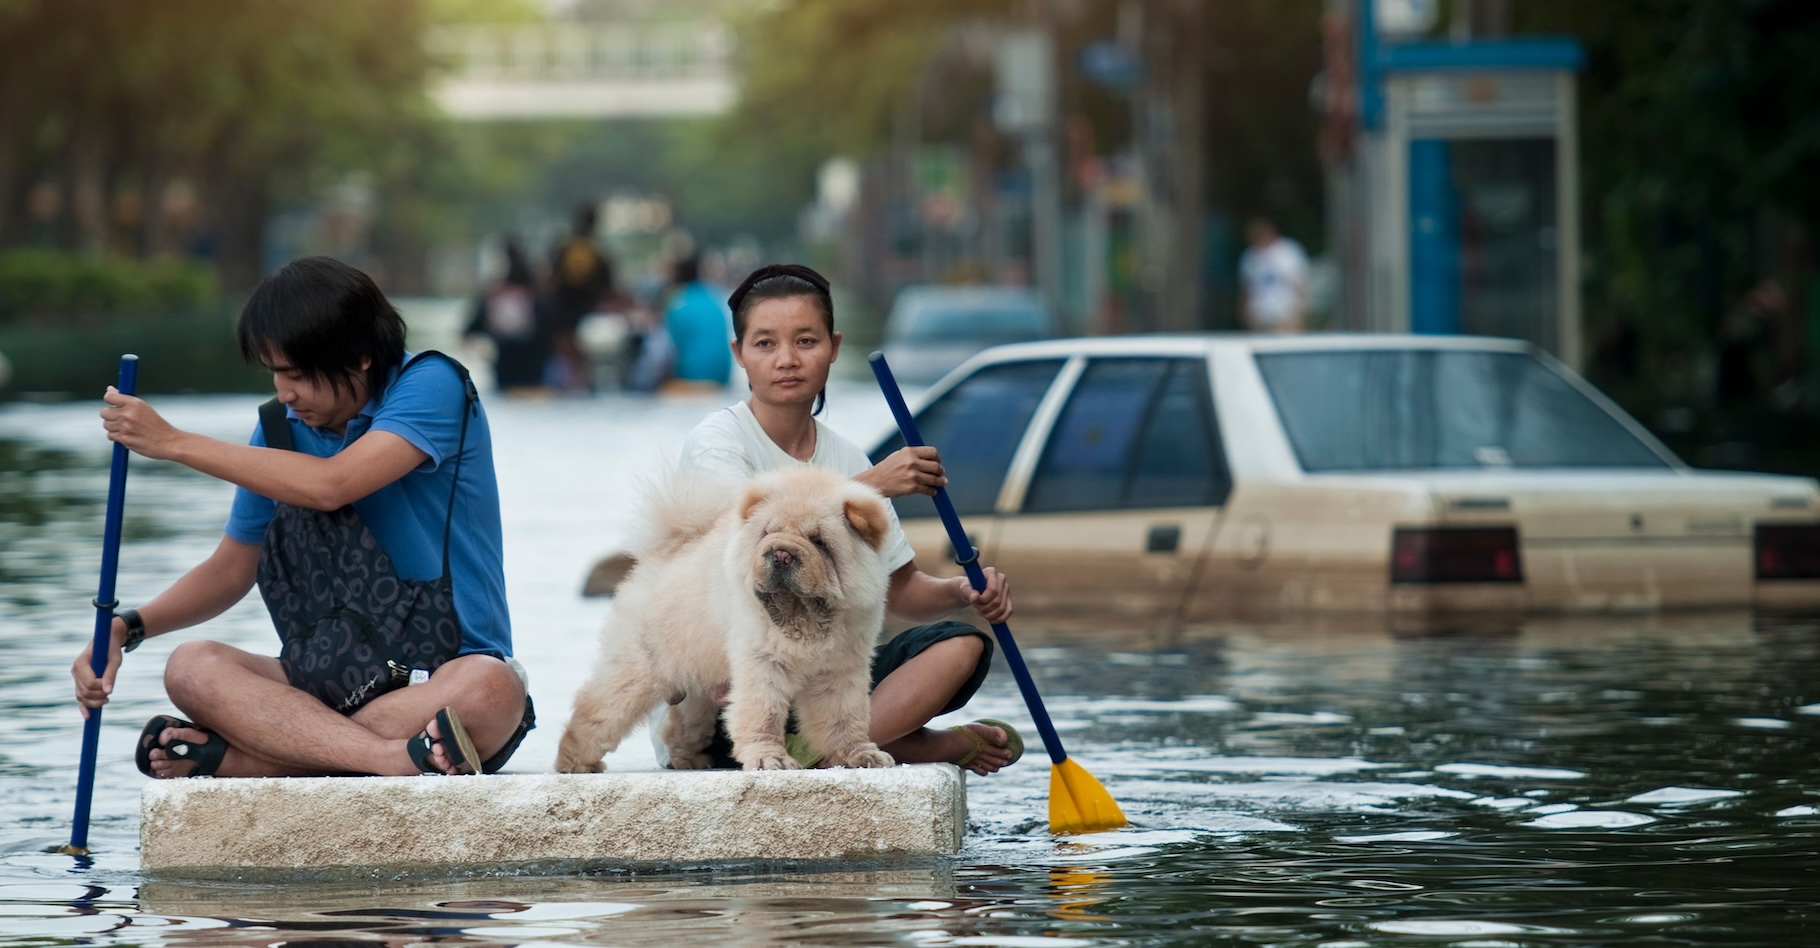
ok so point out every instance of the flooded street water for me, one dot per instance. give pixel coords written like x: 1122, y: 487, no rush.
x: 1633, y: 780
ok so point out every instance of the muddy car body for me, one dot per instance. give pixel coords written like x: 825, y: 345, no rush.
x: 1217, y: 476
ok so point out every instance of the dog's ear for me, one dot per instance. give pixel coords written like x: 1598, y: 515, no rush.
x: 754, y: 495
x: 869, y: 518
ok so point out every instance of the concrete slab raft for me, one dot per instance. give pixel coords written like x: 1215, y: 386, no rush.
x: 366, y: 823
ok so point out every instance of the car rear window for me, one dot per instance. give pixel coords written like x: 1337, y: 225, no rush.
x: 1440, y: 409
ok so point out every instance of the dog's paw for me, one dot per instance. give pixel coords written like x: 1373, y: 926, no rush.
x: 567, y: 766
x: 697, y: 760
x: 867, y: 756
x: 767, y: 760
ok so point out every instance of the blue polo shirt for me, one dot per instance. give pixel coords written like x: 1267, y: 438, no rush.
x: 422, y: 406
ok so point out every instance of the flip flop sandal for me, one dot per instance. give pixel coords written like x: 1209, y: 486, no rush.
x: 1014, y: 742
x: 207, y: 756
x: 457, y: 746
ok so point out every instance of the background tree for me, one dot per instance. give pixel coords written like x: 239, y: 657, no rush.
x: 248, y: 105
x: 1699, y: 142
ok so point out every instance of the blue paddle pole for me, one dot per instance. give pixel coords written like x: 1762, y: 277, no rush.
x: 1077, y: 802
x: 105, y: 605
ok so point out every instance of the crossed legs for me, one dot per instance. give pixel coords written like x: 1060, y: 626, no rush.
x: 918, y: 690
x: 275, y: 730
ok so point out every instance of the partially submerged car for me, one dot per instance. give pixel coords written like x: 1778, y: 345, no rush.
x: 1217, y: 476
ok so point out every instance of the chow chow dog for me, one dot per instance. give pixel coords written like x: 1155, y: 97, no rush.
x: 776, y: 587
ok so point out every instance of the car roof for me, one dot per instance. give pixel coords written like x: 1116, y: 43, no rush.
x: 1204, y: 343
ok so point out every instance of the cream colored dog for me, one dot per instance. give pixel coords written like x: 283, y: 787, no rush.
x: 778, y: 588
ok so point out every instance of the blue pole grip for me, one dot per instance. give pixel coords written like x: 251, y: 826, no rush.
x: 127, y: 384
x: 968, y: 558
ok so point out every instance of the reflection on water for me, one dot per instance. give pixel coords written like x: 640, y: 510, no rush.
x: 1637, y: 780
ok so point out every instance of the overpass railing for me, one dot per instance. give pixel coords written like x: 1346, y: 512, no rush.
x: 545, y: 52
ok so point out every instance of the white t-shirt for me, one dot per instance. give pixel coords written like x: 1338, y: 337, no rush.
x: 732, y: 443
x: 1276, y: 280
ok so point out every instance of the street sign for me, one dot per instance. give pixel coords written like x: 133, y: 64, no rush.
x: 1109, y: 64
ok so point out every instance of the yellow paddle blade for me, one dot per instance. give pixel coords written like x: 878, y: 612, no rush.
x: 1077, y: 802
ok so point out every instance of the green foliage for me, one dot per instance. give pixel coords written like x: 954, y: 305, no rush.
x: 1699, y: 129
x: 48, y: 285
x: 485, y: 11
x: 832, y: 73
x: 250, y: 103
x: 191, y: 350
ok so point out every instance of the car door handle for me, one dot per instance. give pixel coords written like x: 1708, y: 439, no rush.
x: 954, y: 555
x: 1163, y: 539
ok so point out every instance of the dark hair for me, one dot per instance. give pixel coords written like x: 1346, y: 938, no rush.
x: 324, y: 317
x: 686, y: 270
x: 518, y: 269
x: 586, y: 217
x: 779, y: 281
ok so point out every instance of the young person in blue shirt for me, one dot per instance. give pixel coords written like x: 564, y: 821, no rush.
x: 405, y: 445
x: 699, y: 326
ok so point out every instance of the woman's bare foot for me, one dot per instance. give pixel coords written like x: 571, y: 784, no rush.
x: 953, y: 745
x: 993, y: 757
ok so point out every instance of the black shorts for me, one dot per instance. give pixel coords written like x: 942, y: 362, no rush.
x: 886, y: 659
x: 911, y: 642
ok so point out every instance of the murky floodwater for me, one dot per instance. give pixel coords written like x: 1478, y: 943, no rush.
x: 1637, y: 780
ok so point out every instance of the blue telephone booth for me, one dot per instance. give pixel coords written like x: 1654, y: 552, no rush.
x: 1460, y: 206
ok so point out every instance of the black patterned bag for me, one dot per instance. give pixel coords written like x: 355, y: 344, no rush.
x: 351, y: 628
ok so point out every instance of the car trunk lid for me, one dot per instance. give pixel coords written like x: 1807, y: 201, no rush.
x: 1622, y: 507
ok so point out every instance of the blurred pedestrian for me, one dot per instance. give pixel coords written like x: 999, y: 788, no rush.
x: 1273, y: 277
x: 700, y: 327
x: 610, y: 338
x: 580, y: 275
x: 507, y: 312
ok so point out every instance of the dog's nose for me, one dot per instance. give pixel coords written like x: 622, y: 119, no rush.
x: 781, y: 557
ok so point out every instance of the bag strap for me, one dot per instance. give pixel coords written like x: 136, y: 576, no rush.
x: 275, y: 426
x: 471, y: 406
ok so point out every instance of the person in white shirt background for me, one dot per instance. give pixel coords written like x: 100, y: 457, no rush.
x: 1273, y: 278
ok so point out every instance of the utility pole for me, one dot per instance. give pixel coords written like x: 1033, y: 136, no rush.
x: 1026, y: 107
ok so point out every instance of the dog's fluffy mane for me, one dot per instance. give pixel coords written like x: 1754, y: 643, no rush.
x: 678, y: 507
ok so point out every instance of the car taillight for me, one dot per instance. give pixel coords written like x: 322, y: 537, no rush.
x: 1455, y: 555
x: 1788, y: 551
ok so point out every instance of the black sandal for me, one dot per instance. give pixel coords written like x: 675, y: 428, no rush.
x: 207, y: 756
x: 457, y: 746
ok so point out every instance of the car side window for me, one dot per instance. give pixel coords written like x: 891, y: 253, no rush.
x: 1135, y: 433
x: 1180, y: 462
x: 977, y: 426
x: 1084, y: 464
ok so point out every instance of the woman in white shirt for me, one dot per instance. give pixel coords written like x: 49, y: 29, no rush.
x: 784, y: 339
